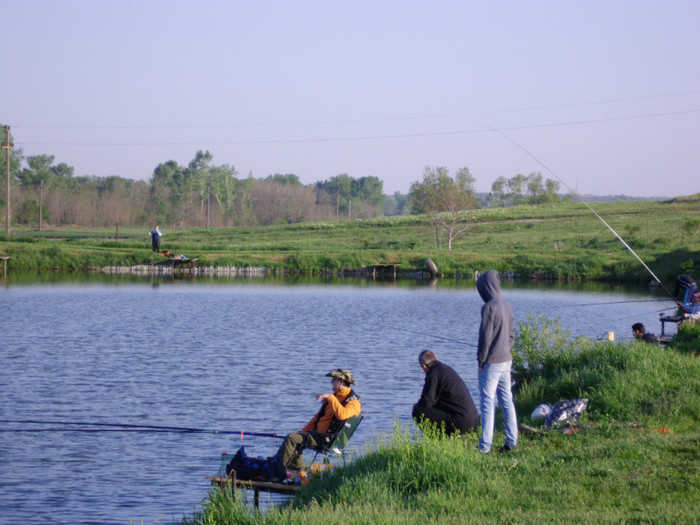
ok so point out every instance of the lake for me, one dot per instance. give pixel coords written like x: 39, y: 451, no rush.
x: 236, y: 355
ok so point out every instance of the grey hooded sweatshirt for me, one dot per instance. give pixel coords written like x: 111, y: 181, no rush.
x: 496, y: 333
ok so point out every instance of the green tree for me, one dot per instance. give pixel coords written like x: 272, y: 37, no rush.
x: 531, y: 189
x: 516, y: 189
x: 368, y: 189
x: 63, y: 170
x: 339, y: 188
x: 347, y: 194
x: 286, y: 178
x: 444, y: 198
x: 397, y: 204
x: 197, y: 187
x: 497, y: 197
x: 39, y: 174
x: 535, y: 188
x: 228, y: 191
x: 166, y: 191
x: 551, y: 191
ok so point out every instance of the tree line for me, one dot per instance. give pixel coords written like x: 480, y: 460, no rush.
x: 199, y: 194
x: 203, y: 194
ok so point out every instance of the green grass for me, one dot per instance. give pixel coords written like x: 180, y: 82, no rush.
x: 563, y: 241
x: 634, y: 457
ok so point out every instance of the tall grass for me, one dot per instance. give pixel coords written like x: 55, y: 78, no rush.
x: 606, y: 471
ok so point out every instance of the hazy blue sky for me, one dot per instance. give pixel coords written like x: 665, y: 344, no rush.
x: 606, y: 94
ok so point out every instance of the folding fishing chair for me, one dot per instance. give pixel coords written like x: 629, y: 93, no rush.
x: 334, y: 442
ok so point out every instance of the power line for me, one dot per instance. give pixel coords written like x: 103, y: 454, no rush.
x: 367, y: 121
x: 480, y: 129
x: 583, y: 201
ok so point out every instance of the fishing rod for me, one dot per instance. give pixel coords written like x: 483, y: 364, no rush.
x: 93, y: 430
x: 581, y: 199
x: 434, y: 336
x: 125, y: 427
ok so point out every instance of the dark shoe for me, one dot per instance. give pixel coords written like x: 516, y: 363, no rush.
x: 506, y: 448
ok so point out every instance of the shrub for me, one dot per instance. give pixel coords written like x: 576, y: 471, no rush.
x: 542, y: 344
x: 686, y: 340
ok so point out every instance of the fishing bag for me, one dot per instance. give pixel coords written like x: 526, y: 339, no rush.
x: 565, y: 411
x: 252, y: 469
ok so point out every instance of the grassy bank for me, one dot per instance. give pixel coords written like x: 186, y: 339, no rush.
x: 634, y: 457
x: 563, y: 241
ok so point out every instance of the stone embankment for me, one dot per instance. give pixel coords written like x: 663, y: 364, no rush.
x: 161, y: 269
x: 253, y: 271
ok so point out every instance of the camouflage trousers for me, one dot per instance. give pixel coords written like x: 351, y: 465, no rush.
x: 290, y: 453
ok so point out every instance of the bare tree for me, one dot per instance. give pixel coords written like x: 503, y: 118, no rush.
x: 444, y: 198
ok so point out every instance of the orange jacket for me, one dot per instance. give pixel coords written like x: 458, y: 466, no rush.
x: 334, y: 408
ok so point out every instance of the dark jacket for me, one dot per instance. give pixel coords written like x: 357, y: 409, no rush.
x: 650, y: 338
x: 444, y: 389
x: 496, y: 333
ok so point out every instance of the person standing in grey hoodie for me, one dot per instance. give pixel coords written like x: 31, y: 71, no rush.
x: 496, y: 336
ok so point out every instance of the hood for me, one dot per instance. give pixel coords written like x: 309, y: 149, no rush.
x: 489, y: 285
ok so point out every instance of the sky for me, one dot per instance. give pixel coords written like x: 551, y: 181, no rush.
x: 603, y: 96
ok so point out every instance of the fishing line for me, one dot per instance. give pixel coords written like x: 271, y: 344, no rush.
x: 434, y: 336
x: 587, y: 206
x: 124, y: 427
x: 646, y: 313
x: 614, y: 302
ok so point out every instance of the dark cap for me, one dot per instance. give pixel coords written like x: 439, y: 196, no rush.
x: 343, y: 375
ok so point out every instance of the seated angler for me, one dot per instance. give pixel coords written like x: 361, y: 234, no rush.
x: 338, y: 406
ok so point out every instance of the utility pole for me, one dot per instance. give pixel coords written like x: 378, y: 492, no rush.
x: 208, y: 204
x: 7, y: 146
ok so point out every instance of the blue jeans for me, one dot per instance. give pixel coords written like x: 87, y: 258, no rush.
x: 494, y: 381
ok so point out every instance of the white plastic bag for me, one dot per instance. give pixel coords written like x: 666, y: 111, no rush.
x: 541, y: 411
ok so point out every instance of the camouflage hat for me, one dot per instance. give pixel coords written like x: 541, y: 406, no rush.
x: 342, y: 374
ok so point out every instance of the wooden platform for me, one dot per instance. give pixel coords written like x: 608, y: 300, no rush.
x: 668, y: 319
x: 177, y: 261
x: 335, y: 443
x: 230, y: 482
x: 383, y: 269
x: 180, y: 261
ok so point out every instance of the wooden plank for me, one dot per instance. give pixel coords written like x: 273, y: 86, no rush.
x: 265, y: 486
x: 257, y: 486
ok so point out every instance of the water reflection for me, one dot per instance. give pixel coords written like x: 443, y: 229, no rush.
x: 20, y: 278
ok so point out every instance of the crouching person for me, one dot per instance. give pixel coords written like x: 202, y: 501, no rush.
x: 338, y: 406
x: 445, y: 400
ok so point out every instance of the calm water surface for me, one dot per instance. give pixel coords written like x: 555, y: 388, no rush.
x: 233, y: 356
